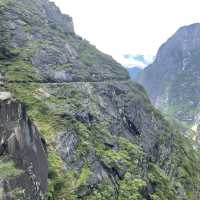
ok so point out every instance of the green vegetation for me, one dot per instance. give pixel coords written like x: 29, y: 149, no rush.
x: 84, y: 175
x: 162, y: 185
x: 8, y: 169
x: 131, y: 187
x: 185, y: 160
x: 127, y: 159
x: 59, y: 183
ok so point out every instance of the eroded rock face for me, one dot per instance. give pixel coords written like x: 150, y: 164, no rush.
x: 21, y: 143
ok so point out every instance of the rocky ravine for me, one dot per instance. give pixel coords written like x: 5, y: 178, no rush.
x: 23, y: 156
x: 177, y: 62
x: 104, y: 138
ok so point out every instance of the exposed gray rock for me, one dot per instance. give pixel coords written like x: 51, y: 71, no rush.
x: 21, y: 143
x: 5, y: 96
x: 57, y: 19
x: 66, y: 144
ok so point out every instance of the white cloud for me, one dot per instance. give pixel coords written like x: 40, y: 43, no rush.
x: 136, y: 60
x: 134, y: 26
x: 149, y: 58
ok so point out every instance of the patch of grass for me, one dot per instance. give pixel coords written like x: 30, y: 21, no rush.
x: 8, y: 169
x: 161, y: 183
x: 84, y: 175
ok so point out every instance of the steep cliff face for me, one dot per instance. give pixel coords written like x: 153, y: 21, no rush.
x: 172, y: 81
x: 105, y: 140
x: 23, y: 160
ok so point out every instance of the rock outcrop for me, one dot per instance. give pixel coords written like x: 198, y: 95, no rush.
x: 105, y: 140
x: 23, y: 156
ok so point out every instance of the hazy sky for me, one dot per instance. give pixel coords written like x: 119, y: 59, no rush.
x: 119, y: 27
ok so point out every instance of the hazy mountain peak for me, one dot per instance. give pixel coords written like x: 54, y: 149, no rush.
x: 172, y: 81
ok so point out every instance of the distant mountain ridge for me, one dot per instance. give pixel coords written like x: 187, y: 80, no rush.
x: 134, y: 72
x: 136, y: 63
x: 173, y: 80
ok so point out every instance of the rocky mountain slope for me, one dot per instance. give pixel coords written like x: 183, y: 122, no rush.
x: 105, y: 140
x: 172, y: 81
